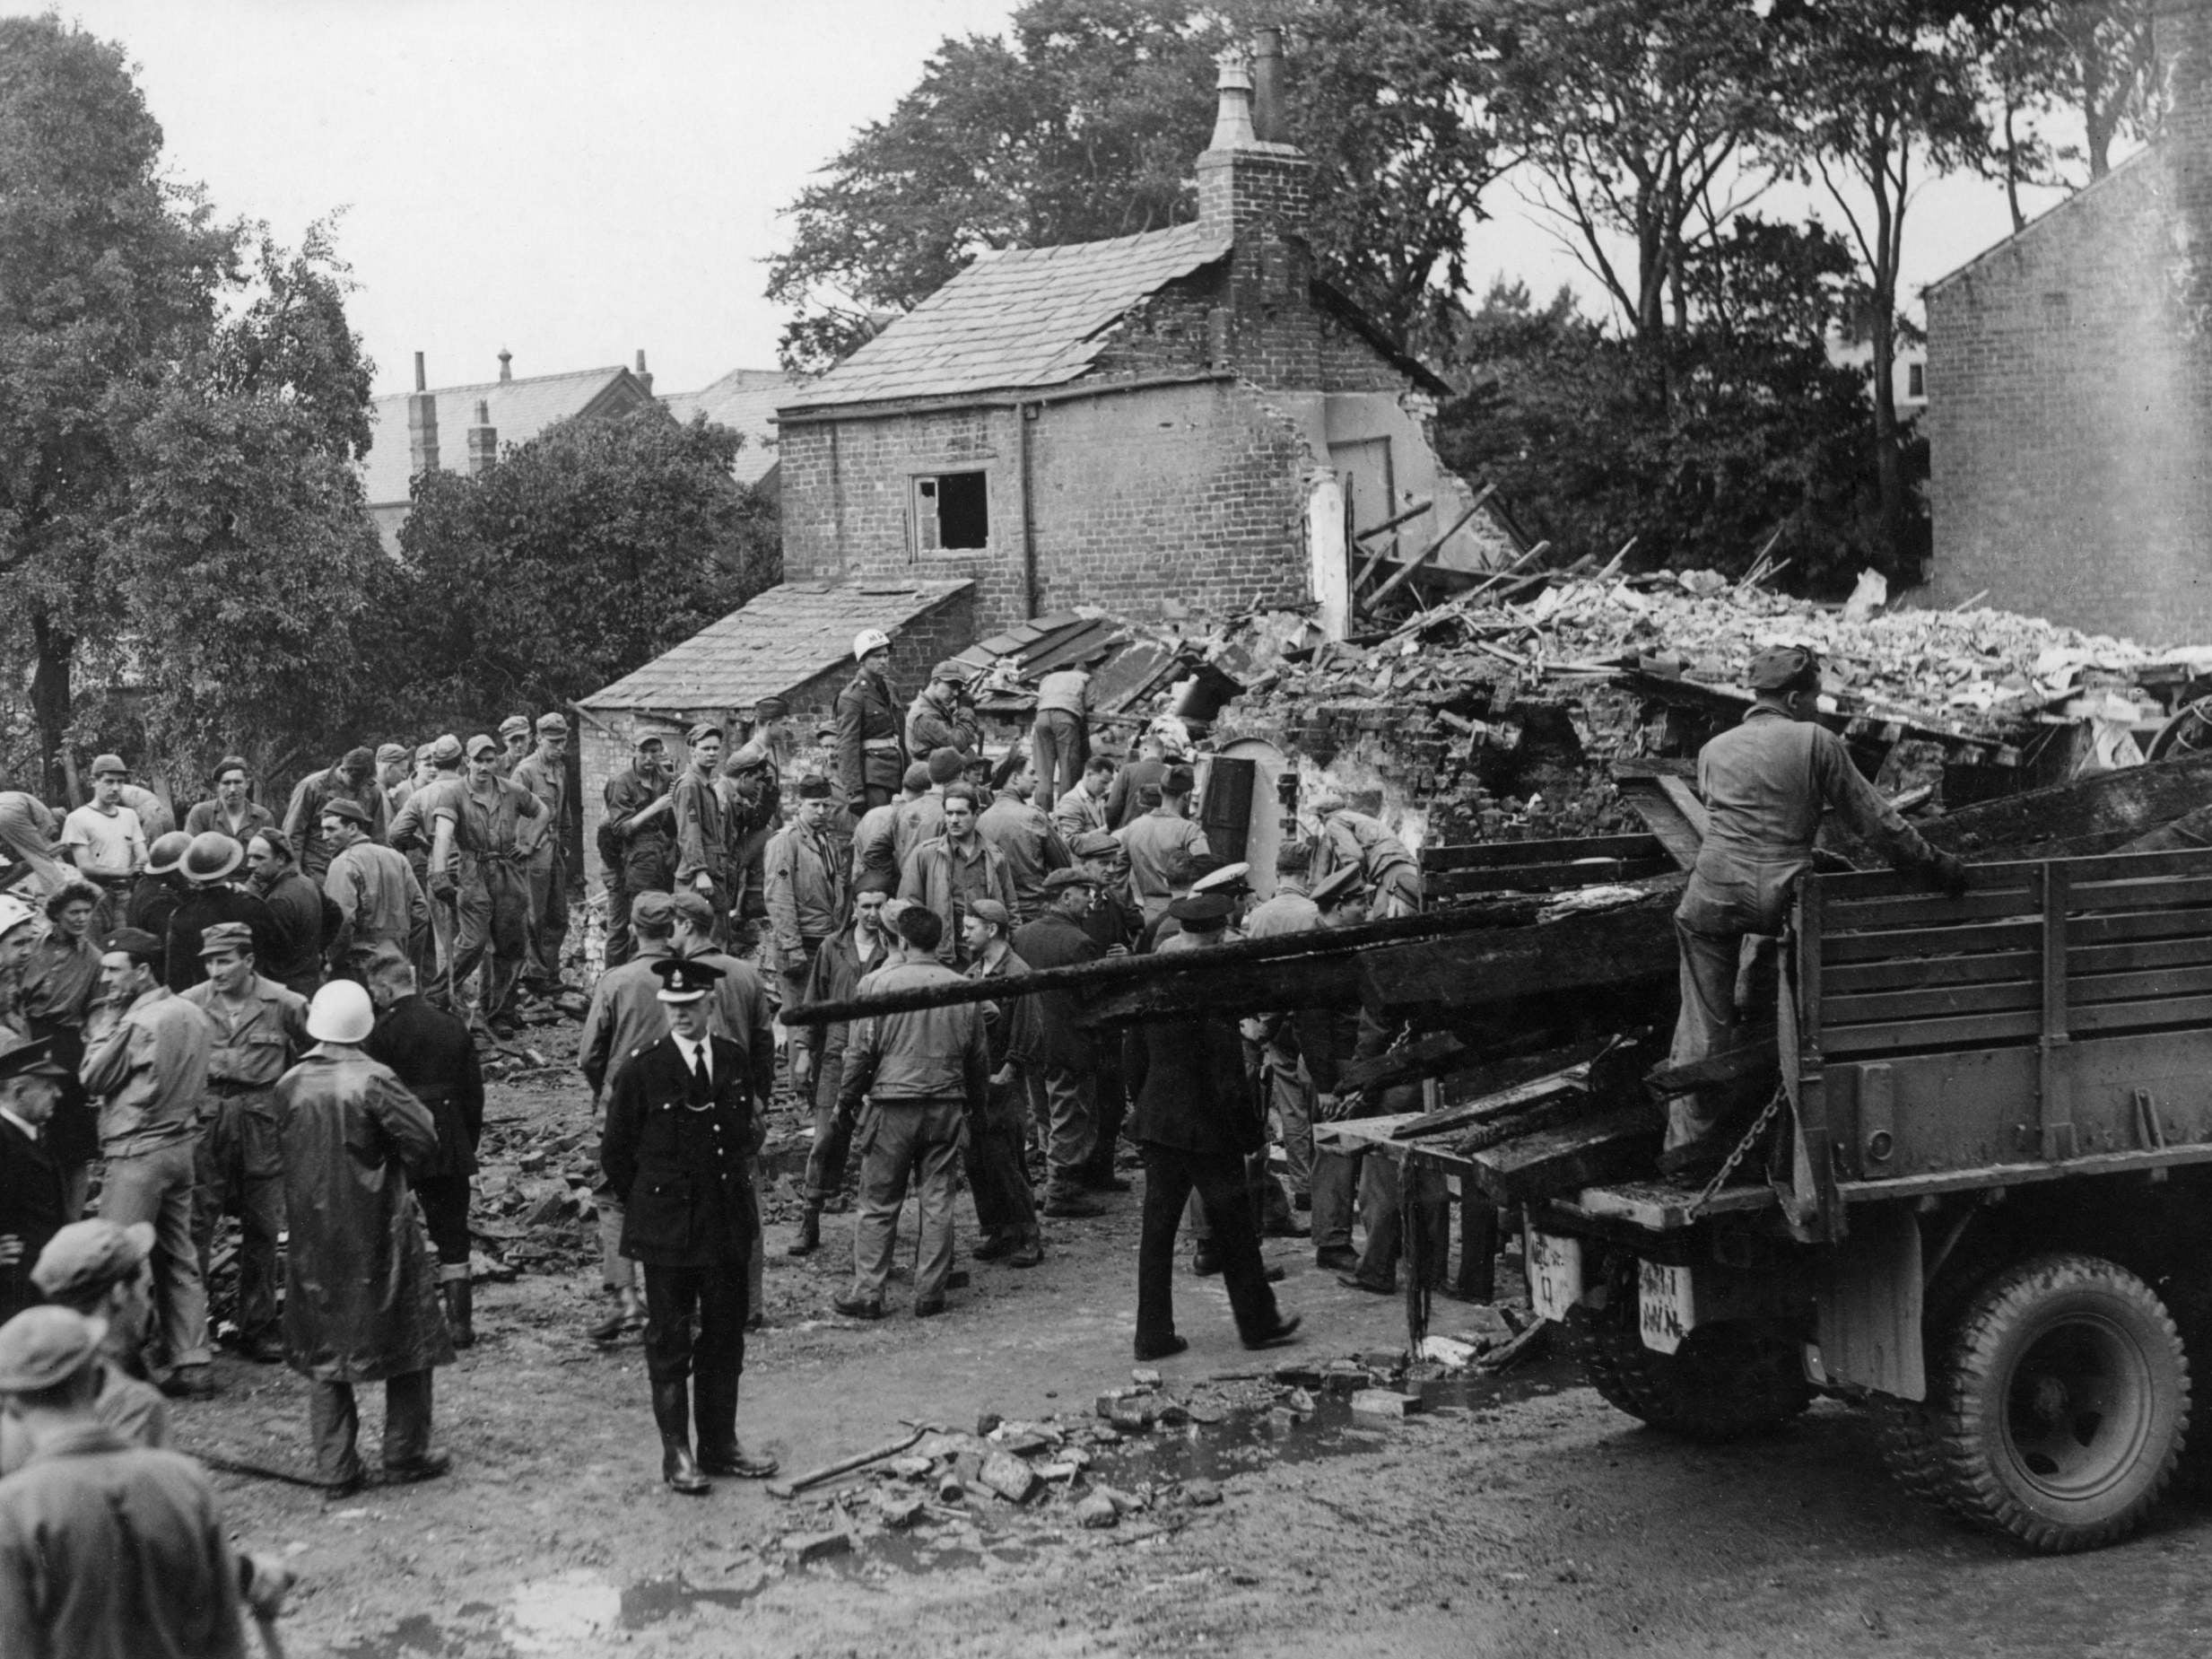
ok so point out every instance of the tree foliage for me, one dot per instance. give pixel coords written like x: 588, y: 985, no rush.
x: 583, y: 554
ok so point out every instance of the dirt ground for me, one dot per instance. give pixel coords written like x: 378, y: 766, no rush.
x: 1517, y: 1517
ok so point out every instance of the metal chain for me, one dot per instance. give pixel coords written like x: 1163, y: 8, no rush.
x: 1751, y: 1136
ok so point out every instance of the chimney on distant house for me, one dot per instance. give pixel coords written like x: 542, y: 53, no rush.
x: 484, y: 440
x: 506, y: 364
x: 421, y: 424
x: 1256, y: 191
x: 1270, y: 116
x: 645, y: 375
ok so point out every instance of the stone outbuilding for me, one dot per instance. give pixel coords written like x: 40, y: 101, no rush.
x: 1190, y: 421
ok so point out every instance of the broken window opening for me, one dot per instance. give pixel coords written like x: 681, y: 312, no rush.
x: 952, y: 512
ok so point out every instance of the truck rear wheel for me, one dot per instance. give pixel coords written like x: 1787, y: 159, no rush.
x: 2061, y: 1404
x: 1726, y: 1382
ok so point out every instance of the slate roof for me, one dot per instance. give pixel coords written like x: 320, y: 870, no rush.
x: 520, y: 408
x: 774, y: 645
x: 745, y: 400
x: 1018, y: 317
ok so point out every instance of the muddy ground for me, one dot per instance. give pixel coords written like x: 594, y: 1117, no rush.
x: 1518, y: 1516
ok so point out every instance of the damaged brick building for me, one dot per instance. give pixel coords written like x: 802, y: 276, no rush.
x: 1191, y: 420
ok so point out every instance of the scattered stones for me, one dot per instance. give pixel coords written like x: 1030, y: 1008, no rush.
x: 1097, y: 1512
x: 986, y: 1421
x: 1201, y: 1494
x: 897, y: 1511
x: 1384, y: 1402
x: 909, y: 1468
x: 1299, y: 1402
x: 1009, y: 1477
x: 1143, y: 1376
x: 807, y: 1547
x: 1135, y: 1414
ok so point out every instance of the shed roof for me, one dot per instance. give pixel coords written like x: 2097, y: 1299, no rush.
x: 520, y: 410
x: 1016, y: 318
x: 773, y: 644
x: 744, y: 400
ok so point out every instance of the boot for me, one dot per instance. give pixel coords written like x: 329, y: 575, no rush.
x: 714, y: 1399
x: 809, y: 1239
x: 672, y: 1411
x: 460, y: 1297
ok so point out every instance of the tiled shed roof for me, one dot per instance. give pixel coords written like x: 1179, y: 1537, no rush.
x: 774, y: 645
x: 745, y: 400
x: 519, y: 409
x: 1019, y: 317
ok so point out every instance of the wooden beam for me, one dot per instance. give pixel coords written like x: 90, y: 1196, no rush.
x: 2111, y: 808
x: 1412, y: 512
x: 1424, y: 555
x: 1595, y: 1149
x: 1628, y: 946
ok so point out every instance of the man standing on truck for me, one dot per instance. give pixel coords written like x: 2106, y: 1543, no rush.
x: 1766, y: 784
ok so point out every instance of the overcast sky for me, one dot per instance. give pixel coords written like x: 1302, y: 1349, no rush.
x: 576, y: 180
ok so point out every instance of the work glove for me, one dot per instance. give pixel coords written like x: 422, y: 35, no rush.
x: 1946, y: 871
x: 443, y: 888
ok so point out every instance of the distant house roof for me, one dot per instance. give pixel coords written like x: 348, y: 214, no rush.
x: 1017, y: 317
x: 774, y: 645
x: 744, y: 400
x: 2088, y: 199
x: 519, y: 409
x: 1131, y: 664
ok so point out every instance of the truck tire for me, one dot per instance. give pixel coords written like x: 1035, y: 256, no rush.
x: 1909, y: 1436
x: 2060, y: 1404
x: 1725, y: 1382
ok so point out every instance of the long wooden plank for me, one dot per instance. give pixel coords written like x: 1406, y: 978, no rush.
x: 1966, y: 1031
x: 2129, y: 986
x: 2159, y: 1012
x: 1545, y: 878
x: 1860, y: 886
x: 2105, y: 928
x: 1676, y: 834
x: 1991, y: 1176
x: 2154, y: 894
x: 1580, y: 1155
x: 1484, y: 855
x: 1926, y: 910
x: 1911, y: 973
x: 1930, y: 1002
x: 2124, y: 803
x: 2160, y: 952
x: 1611, y: 947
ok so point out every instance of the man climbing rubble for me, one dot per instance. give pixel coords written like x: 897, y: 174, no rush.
x: 1766, y: 784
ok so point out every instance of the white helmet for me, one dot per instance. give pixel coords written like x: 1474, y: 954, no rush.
x: 14, y: 914
x: 340, y: 1013
x: 868, y: 639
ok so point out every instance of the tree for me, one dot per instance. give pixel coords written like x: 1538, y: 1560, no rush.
x: 581, y: 556
x: 1881, y: 90
x: 1083, y: 124
x: 107, y: 275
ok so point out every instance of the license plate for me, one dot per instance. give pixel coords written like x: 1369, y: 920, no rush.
x: 1554, y: 1274
x: 1666, y: 1311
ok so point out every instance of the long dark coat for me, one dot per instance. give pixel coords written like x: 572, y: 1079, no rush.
x: 431, y: 1052
x: 361, y: 1291
x: 680, y: 1164
x: 1186, y: 1077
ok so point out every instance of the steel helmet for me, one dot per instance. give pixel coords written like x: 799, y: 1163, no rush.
x: 211, y: 856
x: 13, y: 914
x: 868, y: 639
x: 340, y: 1013
x: 166, y: 852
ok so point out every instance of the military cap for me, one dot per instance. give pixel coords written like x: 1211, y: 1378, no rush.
x: 1785, y: 668
x: 390, y: 754
x: 514, y: 725
x: 104, y: 765
x: 85, y: 1253
x: 482, y: 745
x: 351, y: 811
x: 814, y: 786
x: 30, y: 1059
x: 691, y: 905
x: 649, y: 740
x: 771, y: 709
x: 1060, y: 880
x: 684, y: 979
x: 1178, y: 781
x: 917, y: 778
x: 945, y: 765
x: 359, y: 763
x: 749, y: 756
x: 991, y: 910
x: 658, y: 909
x: 425, y: 751
x: 956, y: 672
x: 136, y: 942
x: 43, y: 1346
x: 699, y: 733
x: 232, y: 763
x: 1293, y: 857
x: 445, y: 750
x: 1338, y: 886
x: 1202, y: 912
x: 1228, y: 880
x: 227, y: 936
x: 1096, y: 843
x: 552, y: 725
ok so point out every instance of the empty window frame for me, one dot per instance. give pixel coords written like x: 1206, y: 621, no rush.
x: 1916, y: 381
x: 951, y: 513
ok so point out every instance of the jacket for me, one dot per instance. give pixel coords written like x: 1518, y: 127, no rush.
x: 429, y: 1050
x: 253, y: 1047
x: 548, y: 780
x: 1054, y: 941
x: 1012, y: 1031
x: 360, y: 1293
x: 208, y: 815
x: 934, y: 724
x: 699, y: 827
x: 1187, y: 1078
x: 628, y: 794
x: 875, y: 844
x: 939, y: 1053
x: 1032, y: 847
x: 1077, y: 812
x: 301, y: 912
x: 303, y: 816
x: 738, y: 1011
x: 203, y: 908
x: 680, y: 1162
x: 1122, y: 795
x: 110, y: 1550
x: 625, y: 1016
x: 149, y: 1069
x: 805, y: 882
x: 837, y: 971
x: 1766, y: 784
x: 1155, y: 841
x: 30, y: 1209
x: 870, y: 752
x: 939, y: 876
x: 377, y: 894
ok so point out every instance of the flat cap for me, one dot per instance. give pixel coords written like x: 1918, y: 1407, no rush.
x: 43, y: 1346
x: 1060, y: 880
x: 917, y: 778
x: 425, y: 751
x: 552, y: 725
x: 359, y: 761
x: 232, y: 763
x: 649, y: 740
x: 482, y: 745
x: 656, y: 907
x: 686, y: 979
x: 226, y: 935
x: 1096, y: 843
x: 445, y: 750
x: 692, y: 906
x: 699, y: 733
x: 992, y: 911
x: 391, y: 753
x: 1202, y: 912
x: 104, y: 765
x: 351, y: 811
x: 137, y: 941
x: 514, y: 724
x: 944, y: 765
x: 86, y: 1253
x: 814, y: 786
x: 1293, y: 857
x: 771, y: 709
x: 1785, y: 668
x: 956, y: 672
x: 1229, y: 880
x: 1338, y: 886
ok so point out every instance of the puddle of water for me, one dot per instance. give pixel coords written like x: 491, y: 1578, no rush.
x: 657, y: 1598
x: 552, y: 1613
x: 415, y: 1637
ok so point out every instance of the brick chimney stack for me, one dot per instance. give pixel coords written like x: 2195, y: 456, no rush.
x: 645, y: 375
x: 1257, y: 189
x: 506, y: 364
x: 421, y: 424
x: 484, y: 440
